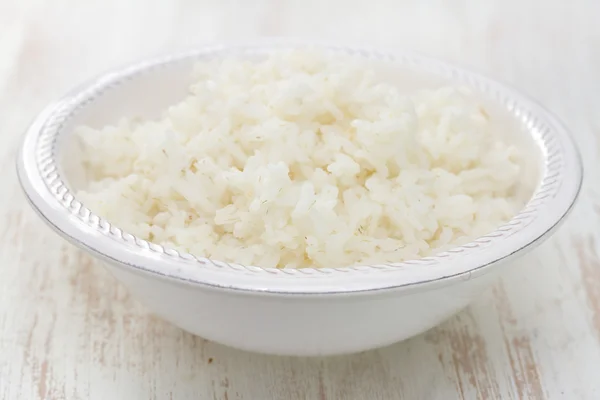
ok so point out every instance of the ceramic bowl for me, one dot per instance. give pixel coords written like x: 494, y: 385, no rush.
x: 305, y: 311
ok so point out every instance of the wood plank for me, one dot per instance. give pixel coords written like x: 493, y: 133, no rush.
x: 69, y: 330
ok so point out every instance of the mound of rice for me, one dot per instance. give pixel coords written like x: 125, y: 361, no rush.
x: 303, y: 160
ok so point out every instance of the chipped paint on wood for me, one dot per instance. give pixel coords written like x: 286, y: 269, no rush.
x: 589, y: 264
x: 524, y: 370
x: 461, y: 343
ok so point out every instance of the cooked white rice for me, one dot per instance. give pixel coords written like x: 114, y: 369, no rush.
x: 303, y: 160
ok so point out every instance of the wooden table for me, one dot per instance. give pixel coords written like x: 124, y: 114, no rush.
x: 69, y: 330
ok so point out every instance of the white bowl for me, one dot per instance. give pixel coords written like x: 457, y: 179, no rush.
x: 305, y: 311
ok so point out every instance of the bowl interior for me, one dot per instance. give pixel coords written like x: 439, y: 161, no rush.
x: 50, y: 173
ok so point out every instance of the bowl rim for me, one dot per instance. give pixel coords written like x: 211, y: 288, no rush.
x: 49, y: 195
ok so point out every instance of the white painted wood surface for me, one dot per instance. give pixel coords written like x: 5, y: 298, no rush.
x: 69, y: 330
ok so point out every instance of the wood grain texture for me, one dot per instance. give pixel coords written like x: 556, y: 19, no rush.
x: 69, y: 330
